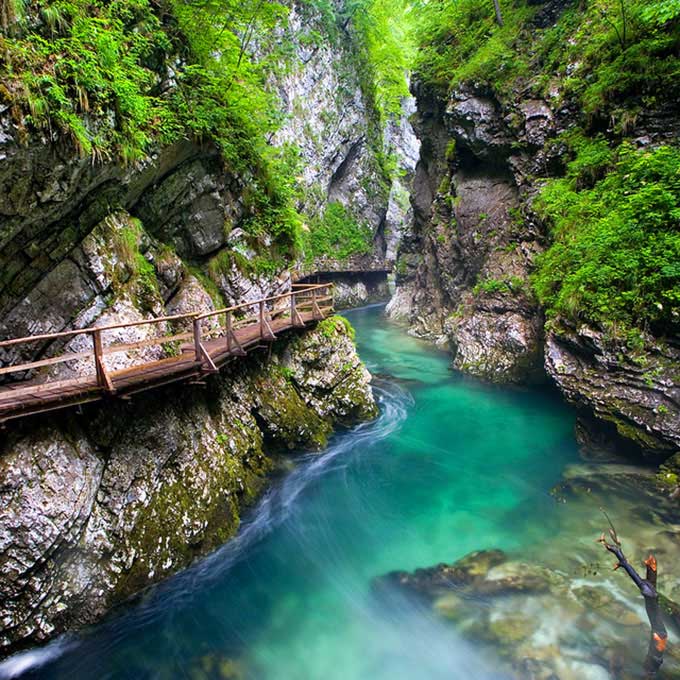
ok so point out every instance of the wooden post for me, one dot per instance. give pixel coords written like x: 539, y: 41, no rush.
x: 261, y: 320
x: 201, y: 354
x: 232, y: 339
x: 102, y: 376
x: 295, y: 318
x: 315, y: 307
x: 198, y: 354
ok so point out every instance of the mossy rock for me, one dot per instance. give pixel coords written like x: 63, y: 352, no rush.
x: 668, y: 476
x: 478, y: 564
x: 511, y: 629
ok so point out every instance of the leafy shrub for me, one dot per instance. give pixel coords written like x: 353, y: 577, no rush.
x: 122, y: 77
x: 337, y: 234
x: 616, y: 251
x: 600, y: 51
x: 460, y: 41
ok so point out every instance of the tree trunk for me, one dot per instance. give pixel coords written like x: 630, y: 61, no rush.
x: 499, y: 16
x: 658, y: 635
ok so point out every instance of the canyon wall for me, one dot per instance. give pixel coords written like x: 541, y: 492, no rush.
x: 464, y: 268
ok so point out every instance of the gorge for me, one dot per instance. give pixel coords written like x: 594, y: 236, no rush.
x: 166, y: 158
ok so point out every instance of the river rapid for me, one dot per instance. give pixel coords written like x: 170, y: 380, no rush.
x: 449, y: 467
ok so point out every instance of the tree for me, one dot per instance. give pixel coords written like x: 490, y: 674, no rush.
x: 499, y: 16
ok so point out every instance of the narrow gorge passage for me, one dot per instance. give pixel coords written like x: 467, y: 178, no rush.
x: 451, y: 466
x: 504, y: 176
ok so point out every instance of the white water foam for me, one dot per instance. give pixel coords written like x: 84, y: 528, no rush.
x: 22, y: 662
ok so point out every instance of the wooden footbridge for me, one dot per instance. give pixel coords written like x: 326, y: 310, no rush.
x: 198, y: 344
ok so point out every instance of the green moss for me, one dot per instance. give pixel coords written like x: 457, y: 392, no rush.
x: 210, y: 287
x: 158, y: 537
x: 491, y: 287
x: 295, y: 425
x: 634, y: 433
x: 333, y: 325
x: 668, y: 475
x: 444, y: 185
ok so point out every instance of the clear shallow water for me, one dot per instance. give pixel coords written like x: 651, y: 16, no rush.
x: 450, y: 466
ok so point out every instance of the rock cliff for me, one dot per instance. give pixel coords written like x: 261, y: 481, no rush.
x: 341, y: 142
x: 464, y: 268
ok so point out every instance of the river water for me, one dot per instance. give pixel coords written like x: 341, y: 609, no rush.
x: 450, y: 466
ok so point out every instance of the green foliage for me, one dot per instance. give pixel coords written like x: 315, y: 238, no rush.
x: 616, y: 251
x: 337, y: 234
x: 460, y: 41
x: 612, y: 51
x: 385, y: 49
x: 591, y: 158
x: 599, y: 52
x: 287, y: 372
x: 210, y: 287
x: 127, y: 239
x: 660, y: 13
x: 122, y: 77
x: 491, y: 286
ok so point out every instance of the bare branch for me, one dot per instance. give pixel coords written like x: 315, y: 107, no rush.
x: 647, y: 587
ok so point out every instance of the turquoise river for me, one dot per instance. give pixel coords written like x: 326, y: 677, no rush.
x: 451, y: 466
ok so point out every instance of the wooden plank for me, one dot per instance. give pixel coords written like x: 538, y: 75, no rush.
x: 26, y: 398
x: 57, y: 384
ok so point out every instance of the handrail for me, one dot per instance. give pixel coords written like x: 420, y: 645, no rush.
x: 187, y: 353
x: 281, y: 296
x: 159, y: 319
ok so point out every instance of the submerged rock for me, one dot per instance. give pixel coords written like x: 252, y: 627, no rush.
x: 432, y: 581
x: 557, y: 611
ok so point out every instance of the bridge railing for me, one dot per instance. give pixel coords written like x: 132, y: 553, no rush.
x: 180, y: 333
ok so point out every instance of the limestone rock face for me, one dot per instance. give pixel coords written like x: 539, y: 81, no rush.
x: 51, y: 200
x: 639, y: 395
x: 98, y: 506
x: 331, y: 381
x: 462, y: 271
x: 498, y: 346
x: 49, y: 486
x: 335, y: 127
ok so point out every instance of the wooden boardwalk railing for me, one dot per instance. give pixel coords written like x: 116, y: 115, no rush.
x: 193, y: 345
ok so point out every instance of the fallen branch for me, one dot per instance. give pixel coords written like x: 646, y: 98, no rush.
x: 647, y: 587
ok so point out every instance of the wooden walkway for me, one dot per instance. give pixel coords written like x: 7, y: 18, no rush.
x: 200, y: 343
